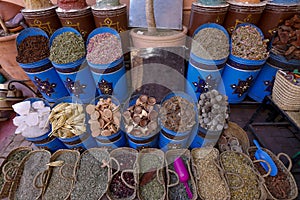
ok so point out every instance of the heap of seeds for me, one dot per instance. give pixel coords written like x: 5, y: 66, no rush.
x: 141, y: 118
x: 178, y: 114
x: 211, y: 44
x: 247, y: 43
x: 66, y: 48
x: 105, y: 117
x: 104, y: 48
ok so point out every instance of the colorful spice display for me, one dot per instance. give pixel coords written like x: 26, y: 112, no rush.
x: 177, y: 114
x: 105, y: 117
x: 213, y: 110
x: 247, y: 43
x: 210, y: 44
x: 67, y: 120
x: 104, y: 48
x: 33, y: 118
x: 37, y: 4
x: 71, y: 4
x: 141, y: 118
x: 33, y: 49
x: 67, y: 47
x: 287, y: 39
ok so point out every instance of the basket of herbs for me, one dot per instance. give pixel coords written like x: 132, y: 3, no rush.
x: 13, y: 159
x: 61, y: 176
x: 92, y: 175
x: 175, y: 188
x: 123, y: 182
x: 281, y: 186
x: 151, y: 180
x: 209, y: 176
x: 29, y: 180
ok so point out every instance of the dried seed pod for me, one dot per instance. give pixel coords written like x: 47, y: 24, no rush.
x: 143, y: 123
x: 107, y: 114
x: 95, y: 115
x: 151, y: 101
x: 143, y: 98
x: 153, y: 115
x: 136, y: 119
x: 137, y: 109
x: 136, y: 132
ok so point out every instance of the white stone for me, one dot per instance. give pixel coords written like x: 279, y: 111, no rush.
x: 34, y: 131
x: 38, y: 105
x: 21, y: 128
x: 18, y: 120
x: 33, y: 119
x: 22, y: 108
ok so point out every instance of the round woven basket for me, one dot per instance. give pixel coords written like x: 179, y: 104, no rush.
x: 285, y: 94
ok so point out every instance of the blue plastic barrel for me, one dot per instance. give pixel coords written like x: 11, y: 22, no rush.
x: 285, y: 2
x: 140, y: 144
x: 115, y: 141
x: 42, y: 73
x: 205, y: 138
x: 167, y: 141
x: 203, y: 74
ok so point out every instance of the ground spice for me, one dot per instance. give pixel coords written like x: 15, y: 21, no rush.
x: 177, y: 114
x: 211, y: 44
x: 37, y: 4
x: 33, y: 49
x: 104, y: 48
x: 71, y: 4
x: 67, y: 47
x: 247, y: 43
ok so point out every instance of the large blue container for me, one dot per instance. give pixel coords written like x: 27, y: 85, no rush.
x: 110, y: 78
x: 285, y: 1
x: 203, y: 74
x: 167, y: 141
x: 42, y: 73
x: 205, y: 138
x: 80, y: 142
x: 140, y: 144
x: 117, y: 140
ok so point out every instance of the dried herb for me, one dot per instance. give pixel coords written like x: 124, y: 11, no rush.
x: 211, y: 44
x: 247, y: 43
x: 178, y: 114
x: 67, y: 47
x: 106, y: 3
x: 33, y: 49
x: 104, y: 48
x: 37, y: 4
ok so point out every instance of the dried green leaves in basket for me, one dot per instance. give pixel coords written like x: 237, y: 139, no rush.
x: 123, y: 181
x: 151, y: 179
x: 244, y: 182
x: 176, y: 189
x: 61, y: 174
x: 92, y: 175
x: 13, y: 159
x: 29, y: 179
x: 209, y: 177
x: 281, y: 186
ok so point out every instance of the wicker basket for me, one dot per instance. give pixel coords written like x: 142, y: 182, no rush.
x: 201, y: 153
x: 159, y: 170
x: 281, y: 167
x: 247, y: 162
x: 171, y: 155
x: 113, y: 156
x: 285, y: 94
x: 88, y: 176
x: 234, y: 130
x: 27, y: 170
x: 61, y: 176
x: 4, y: 189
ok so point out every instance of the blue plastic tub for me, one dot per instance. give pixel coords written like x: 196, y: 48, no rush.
x: 167, y: 141
x: 205, y: 138
x: 204, y: 74
x: 42, y: 73
x: 117, y: 140
x: 138, y: 144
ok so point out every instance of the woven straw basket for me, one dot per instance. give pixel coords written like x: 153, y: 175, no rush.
x: 281, y: 167
x: 285, y: 94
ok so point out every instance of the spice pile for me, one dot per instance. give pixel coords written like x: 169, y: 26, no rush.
x: 247, y: 43
x: 32, y: 121
x: 67, y: 120
x: 106, y: 3
x: 71, y: 4
x: 210, y: 44
x: 213, y: 110
x: 37, y: 4
x: 33, y: 49
x: 287, y: 39
x: 105, y: 117
x: 211, y: 185
x: 293, y: 77
x: 239, y: 164
x: 177, y: 114
x: 141, y: 118
x: 104, y: 48
x: 67, y: 47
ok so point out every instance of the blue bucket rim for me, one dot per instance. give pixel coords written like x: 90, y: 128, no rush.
x: 73, y: 64
x: 63, y: 30
x: 108, y: 65
x: 207, y: 62
x: 31, y: 31
x: 36, y: 64
x: 282, y: 59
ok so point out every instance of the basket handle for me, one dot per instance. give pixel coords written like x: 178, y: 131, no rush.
x: 177, y: 178
x: 44, y: 175
x: 118, y: 166
x: 241, y: 179
x: 197, y: 176
x: 288, y: 158
x: 124, y: 181
x: 269, y: 167
x: 72, y: 178
x: 12, y: 169
x: 159, y: 175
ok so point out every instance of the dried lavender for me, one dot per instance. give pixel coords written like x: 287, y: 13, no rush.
x: 213, y: 110
x: 67, y: 47
x: 211, y: 44
x: 104, y: 48
x: 247, y: 43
